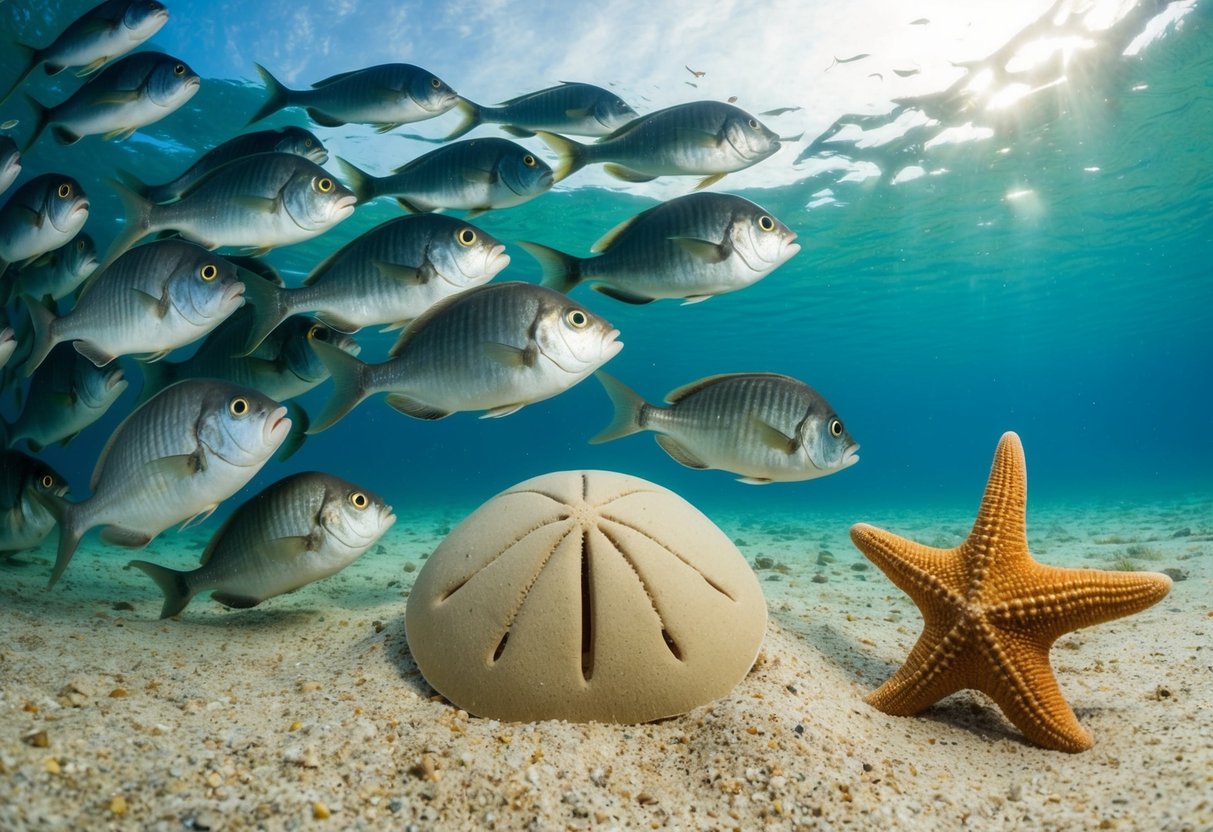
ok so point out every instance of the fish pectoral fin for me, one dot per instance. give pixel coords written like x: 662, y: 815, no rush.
x: 396, y: 326
x: 627, y: 174
x: 690, y: 299
x: 773, y: 437
x: 337, y: 322
x: 577, y: 112
x: 157, y: 305
x: 709, y: 180
x: 407, y: 275
x: 35, y: 218
x: 411, y: 207
x: 198, y: 518
x: 130, y: 538
x: 323, y: 119
x: 178, y: 465
x: 93, y: 353
x: 680, y: 454
x: 697, y: 138
x: 504, y: 410
x: 387, y: 127
x: 509, y: 356
x: 237, y: 602
x: 755, y: 480
x: 619, y: 294
x: 90, y: 68
x: 64, y: 136
x: 287, y: 549
x: 259, y: 204
x: 704, y: 250
x: 152, y: 357
x: 414, y: 408
x: 518, y: 132
x: 480, y: 176
x: 119, y: 135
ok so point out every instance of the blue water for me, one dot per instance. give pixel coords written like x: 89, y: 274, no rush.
x: 1054, y: 279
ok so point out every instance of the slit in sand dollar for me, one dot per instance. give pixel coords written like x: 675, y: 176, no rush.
x: 585, y: 596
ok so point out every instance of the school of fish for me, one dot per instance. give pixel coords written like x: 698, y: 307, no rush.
x: 204, y: 424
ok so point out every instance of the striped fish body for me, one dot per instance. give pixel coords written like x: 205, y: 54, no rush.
x: 24, y: 521
x: 66, y: 394
x: 386, y: 95
x: 569, y: 108
x: 44, y: 214
x: 61, y: 272
x: 102, y: 33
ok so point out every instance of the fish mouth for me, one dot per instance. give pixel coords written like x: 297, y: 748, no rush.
x: 234, y: 291
x: 277, y: 426
x: 850, y: 456
x: 7, y: 335
x: 343, y: 206
x: 497, y: 260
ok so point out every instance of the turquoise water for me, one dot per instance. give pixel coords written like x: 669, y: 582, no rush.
x: 1053, y: 279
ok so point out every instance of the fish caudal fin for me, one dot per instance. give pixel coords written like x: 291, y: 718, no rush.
x: 134, y: 183
x: 279, y: 96
x: 173, y: 584
x: 560, y: 271
x: 349, y: 384
x: 361, y: 182
x: 156, y: 376
x: 629, y: 410
x: 65, y: 514
x: 471, y: 119
x: 270, y: 308
x: 44, y: 339
x: 27, y: 56
x: 572, y: 154
x: 137, y: 225
x: 41, y: 119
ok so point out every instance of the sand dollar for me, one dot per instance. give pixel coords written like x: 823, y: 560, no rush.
x: 585, y: 596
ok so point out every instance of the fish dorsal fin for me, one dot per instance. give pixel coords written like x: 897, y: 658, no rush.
x: 695, y: 386
x: 286, y: 549
x: 705, y: 250
x: 333, y: 79
x: 404, y: 275
x: 623, y: 130
x: 217, y: 538
x: 609, y: 239
x: 680, y: 454
x: 407, y: 166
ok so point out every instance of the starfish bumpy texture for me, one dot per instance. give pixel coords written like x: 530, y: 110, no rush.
x: 991, y: 612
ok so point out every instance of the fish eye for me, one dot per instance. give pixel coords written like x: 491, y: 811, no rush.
x: 359, y: 500
x: 179, y: 69
x: 307, y: 142
x: 577, y: 318
x: 65, y: 190
x: 238, y: 406
x: 753, y: 124
x: 318, y: 332
x: 47, y: 481
x: 835, y: 428
x: 209, y: 272
x: 324, y: 184
x: 766, y: 223
x: 528, y: 160
x: 80, y: 245
x: 466, y: 237
x: 435, y: 83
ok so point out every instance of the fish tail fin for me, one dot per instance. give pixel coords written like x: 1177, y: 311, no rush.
x: 629, y: 410
x: 66, y: 517
x: 560, y: 271
x: 134, y: 183
x: 279, y: 96
x: 270, y: 308
x: 156, y: 376
x: 139, y: 212
x: 42, y: 320
x: 572, y: 155
x: 472, y: 118
x: 349, y: 384
x: 27, y: 57
x: 173, y: 584
x: 42, y: 116
x: 361, y: 182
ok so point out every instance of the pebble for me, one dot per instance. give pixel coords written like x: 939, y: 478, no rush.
x: 409, y: 566
x: 862, y: 566
x: 38, y: 739
x: 1175, y: 574
x: 825, y: 557
x: 764, y: 562
x: 1184, y: 532
x: 820, y: 578
x: 320, y: 811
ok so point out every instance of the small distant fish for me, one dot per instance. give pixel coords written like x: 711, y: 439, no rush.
x: 852, y: 59
x: 764, y: 426
x: 389, y: 275
x: 569, y: 109
x: 906, y: 73
x: 302, y: 528
x: 495, y: 348
x: 57, y: 274
x: 66, y: 394
x: 10, y: 163
x: 474, y: 175
x: 24, y: 521
x: 130, y: 93
x: 778, y: 111
x: 698, y: 73
x: 40, y: 216
x: 173, y: 460
x: 701, y: 137
x: 922, y: 21
x: 151, y: 300
x: 293, y: 140
x: 283, y: 366
x: 96, y: 37
x: 386, y: 96
x: 8, y: 344
x: 692, y: 247
x: 257, y: 202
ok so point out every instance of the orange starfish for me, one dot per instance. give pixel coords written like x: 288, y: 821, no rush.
x: 991, y: 612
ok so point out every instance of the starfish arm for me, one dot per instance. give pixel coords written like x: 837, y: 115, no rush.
x: 1017, y: 675
x: 934, y: 669
x: 1001, y: 525
x: 933, y: 578
x: 1052, y: 601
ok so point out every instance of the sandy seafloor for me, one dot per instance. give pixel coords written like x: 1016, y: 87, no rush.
x: 309, y: 712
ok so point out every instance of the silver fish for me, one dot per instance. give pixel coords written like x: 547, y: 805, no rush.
x: 10, y: 163
x: 130, y: 93
x: 98, y: 36
x: 302, y: 528
x: 496, y: 348
x: 386, y: 96
x: 58, y: 273
x: 282, y: 367
x: 569, y: 108
x: 697, y: 138
x: 258, y: 202
x: 389, y: 275
x: 42, y: 215
x: 692, y: 247
x: 25, y: 521
x: 8, y: 344
x: 764, y: 426
x: 173, y: 460
x: 66, y: 394
x: 153, y: 299
x: 293, y: 140
x: 475, y: 175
